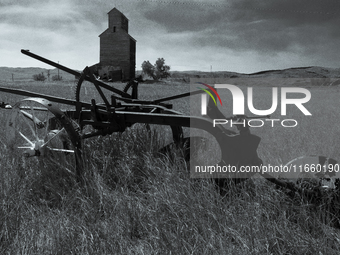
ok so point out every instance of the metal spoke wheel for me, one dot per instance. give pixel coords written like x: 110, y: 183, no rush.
x: 36, y: 128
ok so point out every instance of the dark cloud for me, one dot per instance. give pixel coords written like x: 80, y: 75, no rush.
x: 222, y: 33
x: 181, y: 17
x: 53, y: 14
x: 265, y: 26
x: 177, y: 18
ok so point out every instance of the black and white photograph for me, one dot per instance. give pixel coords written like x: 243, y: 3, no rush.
x: 170, y: 127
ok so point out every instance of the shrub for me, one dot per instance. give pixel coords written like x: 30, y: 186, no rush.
x: 162, y: 70
x: 157, y: 71
x: 148, y: 69
x: 39, y: 77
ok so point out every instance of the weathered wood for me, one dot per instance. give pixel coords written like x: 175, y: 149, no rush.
x: 117, y: 47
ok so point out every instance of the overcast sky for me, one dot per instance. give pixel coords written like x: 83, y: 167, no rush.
x: 225, y: 35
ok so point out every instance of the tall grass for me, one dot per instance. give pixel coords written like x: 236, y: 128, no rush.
x: 137, y: 201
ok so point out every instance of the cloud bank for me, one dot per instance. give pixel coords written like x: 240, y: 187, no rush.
x: 234, y: 35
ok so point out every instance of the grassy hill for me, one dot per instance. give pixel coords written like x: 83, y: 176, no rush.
x: 297, y: 72
x: 26, y: 74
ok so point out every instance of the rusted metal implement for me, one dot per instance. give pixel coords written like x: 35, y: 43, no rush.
x: 38, y: 127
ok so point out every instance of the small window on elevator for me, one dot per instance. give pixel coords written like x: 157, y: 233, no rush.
x: 114, y: 29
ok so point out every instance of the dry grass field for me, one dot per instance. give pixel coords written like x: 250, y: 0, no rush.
x: 135, y: 201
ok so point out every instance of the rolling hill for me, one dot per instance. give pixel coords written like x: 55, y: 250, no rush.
x: 26, y: 74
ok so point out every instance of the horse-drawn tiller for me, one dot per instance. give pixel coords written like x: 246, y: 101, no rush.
x: 38, y: 128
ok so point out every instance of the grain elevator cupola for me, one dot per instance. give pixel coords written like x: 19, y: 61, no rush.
x: 117, y: 49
